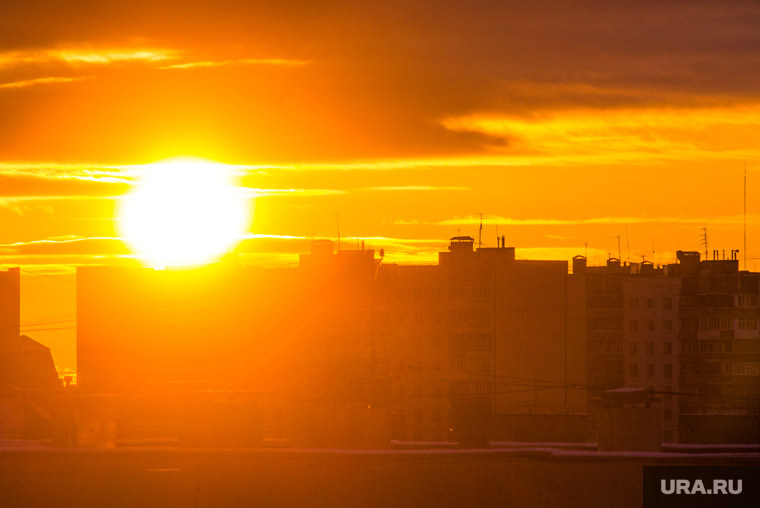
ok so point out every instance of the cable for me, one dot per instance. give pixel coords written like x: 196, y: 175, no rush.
x: 50, y: 276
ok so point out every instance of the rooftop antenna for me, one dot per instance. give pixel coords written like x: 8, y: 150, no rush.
x: 704, y: 240
x: 480, y: 231
x: 619, y: 254
x: 497, y: 234
x: 745, y: 214
x: 628, y: 244
x: 618, y: 238
x: 337, y: 218
x: 586, y: 244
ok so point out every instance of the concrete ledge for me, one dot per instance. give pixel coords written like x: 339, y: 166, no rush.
x: 174, y: 477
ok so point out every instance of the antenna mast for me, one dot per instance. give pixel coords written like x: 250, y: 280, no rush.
x: 628, y: 244
x: 704, y: 240
x: 480, y: 231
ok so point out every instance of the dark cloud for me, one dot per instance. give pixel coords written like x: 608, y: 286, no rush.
x: 381, y: 76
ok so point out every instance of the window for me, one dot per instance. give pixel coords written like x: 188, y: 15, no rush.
x: 667, y: 303
x: 634, y: 325
x: 436, y: 342
x: 458, y: 291
x: 711, y: 346
x: 746, y: 369
x: 747, y: 324
x: 650, y: 369
x: 715, y: 323
x: 481, y: 291
x: 667, y: 414
x: 634, y: 303
x: 650, y: 348
x: 667, y: 370
x: 746, y: 345
x: 650, y: 325
x: 667, y: 394
x: 747, y: 301
x: 667, y: 325
x: 472, y: 317
x: 633, y: 348
x: 650, y: 303
x: 689, y: 369
x: 633, y: 370
x: 667, y: 348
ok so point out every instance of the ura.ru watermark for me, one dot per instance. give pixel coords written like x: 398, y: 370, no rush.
x: 698, y: 487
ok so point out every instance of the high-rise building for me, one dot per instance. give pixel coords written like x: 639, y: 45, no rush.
x: 632, y: 331
x: 719, y: 373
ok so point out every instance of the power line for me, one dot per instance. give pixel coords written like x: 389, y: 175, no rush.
x: 49, y: 276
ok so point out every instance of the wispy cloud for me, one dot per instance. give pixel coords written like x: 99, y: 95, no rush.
x: 412, y: 188
x: 254, y: 236
x: 622, y: 135
x: 52, y: 171
x: 248, y: 61
x: 59, y: 240
x: 23, y: 204
x: 256, y: 193
x: 40, y: 81
x: 507, y: 221
x: 77, y: 57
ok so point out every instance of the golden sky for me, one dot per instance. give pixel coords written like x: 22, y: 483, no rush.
x: 564, y: 124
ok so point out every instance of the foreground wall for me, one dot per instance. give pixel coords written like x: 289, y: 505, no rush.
x: 199, y: 478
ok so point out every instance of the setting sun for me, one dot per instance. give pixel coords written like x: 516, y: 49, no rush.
x: 184, y: 212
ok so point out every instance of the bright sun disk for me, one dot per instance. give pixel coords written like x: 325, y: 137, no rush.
x: 184, y: 212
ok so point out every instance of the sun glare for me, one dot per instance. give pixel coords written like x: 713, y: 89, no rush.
x: 184, y: 212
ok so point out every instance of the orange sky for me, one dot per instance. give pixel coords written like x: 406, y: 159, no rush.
x: 565, y: 124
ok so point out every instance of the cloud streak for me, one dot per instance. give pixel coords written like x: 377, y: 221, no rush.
x: 247, y: 61
x: 623, y: 135
x: 40, y: 81
x: 507, y: 221
x: 78, y: 57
